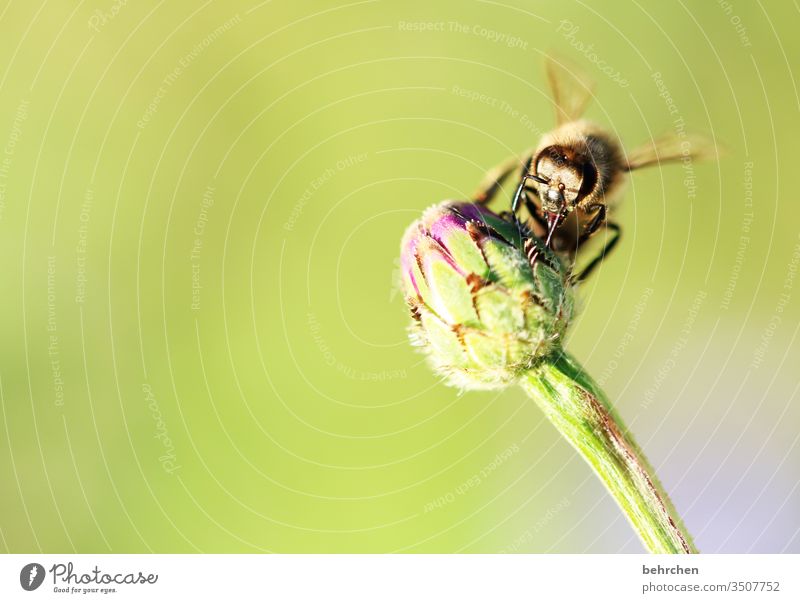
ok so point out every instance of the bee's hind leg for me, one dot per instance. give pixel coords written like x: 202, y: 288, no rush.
x: 493, y: 180
x: 612, y: 241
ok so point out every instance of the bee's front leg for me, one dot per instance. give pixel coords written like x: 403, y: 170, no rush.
x: 613, y: 239
x: 597, y: 221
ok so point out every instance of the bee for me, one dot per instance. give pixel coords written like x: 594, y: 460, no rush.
x: 570, y: 183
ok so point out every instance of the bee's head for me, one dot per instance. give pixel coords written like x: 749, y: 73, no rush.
x: 566, y: 176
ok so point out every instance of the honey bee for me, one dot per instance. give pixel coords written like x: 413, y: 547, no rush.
x: 571, y: 181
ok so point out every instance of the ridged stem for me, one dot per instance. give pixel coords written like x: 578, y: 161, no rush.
x: 580, y: 411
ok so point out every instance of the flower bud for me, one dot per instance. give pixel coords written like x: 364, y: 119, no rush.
x: 480, y: 312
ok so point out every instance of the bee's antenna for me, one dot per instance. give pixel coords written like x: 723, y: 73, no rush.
x: 518, y: 194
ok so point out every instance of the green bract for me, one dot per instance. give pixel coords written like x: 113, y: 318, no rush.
x: 480, y: 312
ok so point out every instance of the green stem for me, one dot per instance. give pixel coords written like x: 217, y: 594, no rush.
x: 580, y: 411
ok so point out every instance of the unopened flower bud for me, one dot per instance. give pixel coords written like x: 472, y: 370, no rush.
x: 481, y: 313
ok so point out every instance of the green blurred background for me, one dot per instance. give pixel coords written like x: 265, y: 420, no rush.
x: 203, y: 347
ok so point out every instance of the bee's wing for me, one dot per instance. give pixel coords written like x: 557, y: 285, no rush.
x: 571, y: 88
x: 670, y: 148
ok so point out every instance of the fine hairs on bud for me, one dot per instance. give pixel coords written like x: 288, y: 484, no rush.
x: 480, y: 312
